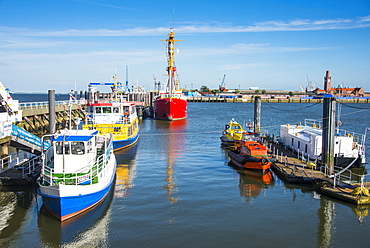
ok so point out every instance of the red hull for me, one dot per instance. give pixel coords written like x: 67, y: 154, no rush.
x: 170, y: 109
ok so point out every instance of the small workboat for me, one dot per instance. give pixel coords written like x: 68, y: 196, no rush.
x: 233, y: 132
x: 250, y: 153
x: 78, y: 170
x: 113, y: 115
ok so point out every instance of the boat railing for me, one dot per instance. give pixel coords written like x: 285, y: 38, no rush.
x: 357, y: 137
x: 80, y: 177
x: 124, y: 120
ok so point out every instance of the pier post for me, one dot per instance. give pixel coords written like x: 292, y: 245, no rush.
x: 257, y: 114
x: 328, y: 130
x: 51, y: 97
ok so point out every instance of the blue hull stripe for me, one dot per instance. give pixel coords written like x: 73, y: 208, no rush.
x: 120, y: 144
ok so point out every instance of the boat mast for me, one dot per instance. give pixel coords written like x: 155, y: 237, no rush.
x: 171, y: 69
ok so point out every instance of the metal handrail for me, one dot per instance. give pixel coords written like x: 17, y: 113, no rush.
x: 40, y: 105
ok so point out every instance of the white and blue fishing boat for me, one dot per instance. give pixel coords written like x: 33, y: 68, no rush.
x: 78, y: 171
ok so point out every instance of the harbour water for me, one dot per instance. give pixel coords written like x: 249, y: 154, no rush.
x: 174, y: 188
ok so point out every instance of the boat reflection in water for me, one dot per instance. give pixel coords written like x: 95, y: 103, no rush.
x: 251, y: 183
x: 14, y: 205
x: 174, y: 147
x: 126, y: 171
x: 89, y: 229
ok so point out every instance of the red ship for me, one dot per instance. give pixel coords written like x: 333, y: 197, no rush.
x: 171, y: 105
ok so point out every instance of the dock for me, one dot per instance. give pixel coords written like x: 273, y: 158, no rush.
x: 15, y: 172
x: 294, y: 169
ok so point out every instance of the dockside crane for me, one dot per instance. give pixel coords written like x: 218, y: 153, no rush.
x: 157, y: 85
x: 222, y: 85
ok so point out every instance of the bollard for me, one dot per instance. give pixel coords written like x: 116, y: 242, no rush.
x: 281, y: 157
x: 298, y: 153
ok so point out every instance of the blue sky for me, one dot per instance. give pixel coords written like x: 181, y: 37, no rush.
x: 63, y: 44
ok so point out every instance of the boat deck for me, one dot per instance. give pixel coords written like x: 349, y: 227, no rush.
x: 291, y: 169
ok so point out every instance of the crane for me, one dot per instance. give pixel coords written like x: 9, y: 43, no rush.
x: 157, y: 85
x: 222, y: 85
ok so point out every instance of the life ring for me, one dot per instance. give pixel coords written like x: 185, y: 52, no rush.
x: 224, y: 132
x: 264, y: 161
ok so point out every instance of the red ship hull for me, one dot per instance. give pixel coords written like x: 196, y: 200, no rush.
x: 170, y: 109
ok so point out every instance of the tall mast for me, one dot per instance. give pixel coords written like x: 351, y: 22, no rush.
x: 171, y: 69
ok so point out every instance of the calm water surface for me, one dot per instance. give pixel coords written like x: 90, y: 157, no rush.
x: 175, y: 189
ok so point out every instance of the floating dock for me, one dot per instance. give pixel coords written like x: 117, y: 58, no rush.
x: 22, y: 173
x: 290, y: 168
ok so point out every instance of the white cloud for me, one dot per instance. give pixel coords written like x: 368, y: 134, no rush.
x: 240, y: 66
x: 268, y: 26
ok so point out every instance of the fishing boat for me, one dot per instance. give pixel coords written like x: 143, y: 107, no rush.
x: 250, y: 153
x: 112, y: 115
x: 78, y: 171
x: 233, y: 132
x: 170, y: 104
x: 306, y: 140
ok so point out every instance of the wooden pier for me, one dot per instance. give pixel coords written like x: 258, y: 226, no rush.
x: 291, y: 168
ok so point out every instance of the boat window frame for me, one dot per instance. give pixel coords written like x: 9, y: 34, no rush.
x: 106, y: 108
x: 116, y: 110
x: 96, y: 110
x: 78, y: 148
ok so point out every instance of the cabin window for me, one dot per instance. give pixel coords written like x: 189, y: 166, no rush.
x: 89, y: 146
x: 299, y: 145
x: 292, y: 141
x: 66, y: 148
x: 59, y: 147
x: 98, y: 110
x: 126, y: 111
x: 236, y: 127
x: 107, y: 110
x: 78, y: 148
x: 306, y: 148
x: 115, y: 110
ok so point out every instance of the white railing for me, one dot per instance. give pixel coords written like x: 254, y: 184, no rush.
x: 50, y: 178
x: 40, y: 105
x: 13, y: 160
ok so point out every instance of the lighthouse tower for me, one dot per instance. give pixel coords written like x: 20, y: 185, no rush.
x: 327, y: 82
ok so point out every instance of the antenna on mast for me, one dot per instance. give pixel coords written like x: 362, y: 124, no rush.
x: 173, y: 18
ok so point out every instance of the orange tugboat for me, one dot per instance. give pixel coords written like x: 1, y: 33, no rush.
x: 250, y: 154
x: 171, y: 105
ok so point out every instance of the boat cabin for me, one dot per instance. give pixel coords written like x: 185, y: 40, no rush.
x: 71, y: 152
x: 253, y: 148
x: 112, y: 113
x: 307, y: 139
